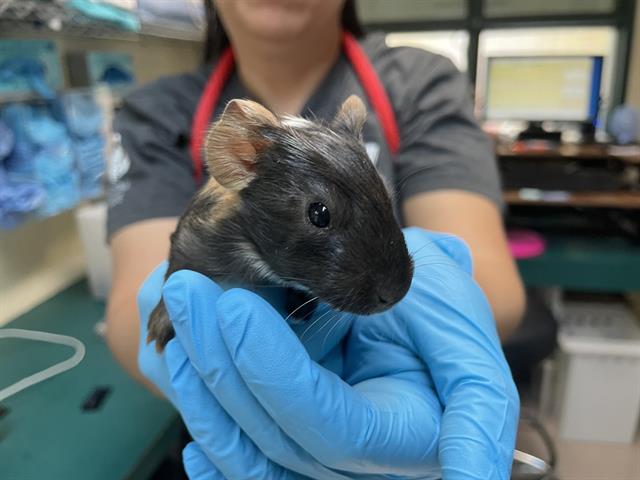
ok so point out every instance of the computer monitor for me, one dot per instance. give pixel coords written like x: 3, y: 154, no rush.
x: 536, y: 89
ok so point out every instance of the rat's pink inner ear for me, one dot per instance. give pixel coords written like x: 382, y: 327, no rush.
x: 352, y: 115
x: 230, y: 155
x: 233, y: 143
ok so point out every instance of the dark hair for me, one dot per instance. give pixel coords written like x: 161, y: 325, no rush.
x: 216, y: 39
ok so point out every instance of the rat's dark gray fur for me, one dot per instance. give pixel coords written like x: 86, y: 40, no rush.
x: 359, y: 263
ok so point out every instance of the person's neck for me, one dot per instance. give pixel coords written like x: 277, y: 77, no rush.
x: 285, y: 77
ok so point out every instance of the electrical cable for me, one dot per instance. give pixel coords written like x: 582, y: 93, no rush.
x: 48, y: 372
x: 534, y: 422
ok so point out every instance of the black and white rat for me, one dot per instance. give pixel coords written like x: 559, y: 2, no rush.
x: 295, y: 203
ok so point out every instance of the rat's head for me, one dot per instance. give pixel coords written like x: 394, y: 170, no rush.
x: 312, y: 209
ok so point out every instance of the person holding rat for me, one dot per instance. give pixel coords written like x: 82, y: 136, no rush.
x: 420, y: 391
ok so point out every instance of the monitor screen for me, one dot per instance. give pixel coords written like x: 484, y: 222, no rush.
x: 543, y: 88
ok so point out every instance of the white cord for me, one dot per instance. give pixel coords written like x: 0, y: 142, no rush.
x: 49, y: 372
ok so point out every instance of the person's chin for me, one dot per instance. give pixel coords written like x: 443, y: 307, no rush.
x: 278, y: 32
x: 277, y: 23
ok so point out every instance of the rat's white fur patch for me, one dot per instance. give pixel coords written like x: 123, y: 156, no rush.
x: 299, y: 123
x: 296, y: 122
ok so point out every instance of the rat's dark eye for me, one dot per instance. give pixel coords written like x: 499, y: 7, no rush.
x: 319, y: 215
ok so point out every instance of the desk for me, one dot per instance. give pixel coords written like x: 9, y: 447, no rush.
x: 587, y: 264
x: 567, y: 151
x: 47, y: 435
x: 589, y: 169
x: 593, y: 263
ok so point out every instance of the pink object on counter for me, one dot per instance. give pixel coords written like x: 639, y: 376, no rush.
x: 525, y: 244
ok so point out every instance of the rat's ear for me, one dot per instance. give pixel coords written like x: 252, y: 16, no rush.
x: 234, y: 141
x: 351, y: 116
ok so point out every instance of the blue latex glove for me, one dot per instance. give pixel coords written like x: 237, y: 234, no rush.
x: 424, y: 389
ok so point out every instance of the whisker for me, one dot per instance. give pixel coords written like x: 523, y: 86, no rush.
x: 433, y: 264
x: 326, y: 322
x: 329, y: 332
x: 413, y: 254
x: 424, y: 257
x: 299, y: 307
x: 439, y: 280
x: 335, y: 325
x: 443, y: 236
x: 314, y: 322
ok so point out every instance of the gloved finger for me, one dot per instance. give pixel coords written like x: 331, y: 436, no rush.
x: 338, y: 424
x: 450, y: 324
x: 188, y: 300
x: 197, y: 465
x: 224, y: 444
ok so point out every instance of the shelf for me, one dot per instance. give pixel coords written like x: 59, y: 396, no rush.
x: 173, y: 31
x: 16, y: 15
x: 624, y: 200
x: 595, y: 152
x: 53, y: 16
x: 32, y: 98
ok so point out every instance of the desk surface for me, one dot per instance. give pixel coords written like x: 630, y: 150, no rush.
x: 589, y: 264
x: 46, y: 434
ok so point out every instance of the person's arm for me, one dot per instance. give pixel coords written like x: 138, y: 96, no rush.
x: 477, y: 221
x: 136, y: 250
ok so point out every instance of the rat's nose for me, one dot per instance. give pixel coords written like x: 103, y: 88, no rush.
x: 383, y: 299
x: 389, y: 295
x: 390, y: 291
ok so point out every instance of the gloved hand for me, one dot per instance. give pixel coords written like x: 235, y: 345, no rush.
x: 425, y: 389
x: 321, y: 334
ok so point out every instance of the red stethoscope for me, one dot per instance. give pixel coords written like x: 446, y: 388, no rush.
x: 361, y: 65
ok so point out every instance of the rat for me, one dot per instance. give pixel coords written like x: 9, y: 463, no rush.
x: 295, y: 203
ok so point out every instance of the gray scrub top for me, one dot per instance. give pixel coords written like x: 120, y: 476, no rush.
x: 441, y: 145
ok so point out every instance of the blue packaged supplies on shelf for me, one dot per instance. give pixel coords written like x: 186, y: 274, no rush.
x: 42, y: 154
x: 84, y: 121
x: 18, y: 199
x: 59, y: 179
x: 89, y: 154
x: 28, y: 65
x: 7, y: 141
x: 88, y: 69
x: 83, y: 115
x: 19, y: 162
x: 53, y: 147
